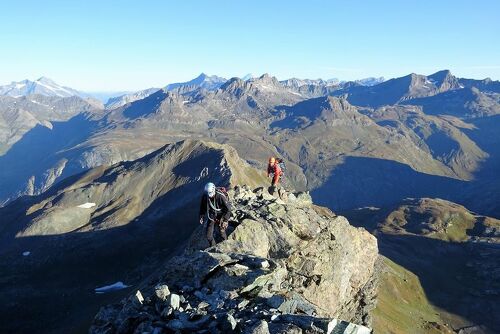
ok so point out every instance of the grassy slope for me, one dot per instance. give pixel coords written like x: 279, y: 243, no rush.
x: 402, y: 306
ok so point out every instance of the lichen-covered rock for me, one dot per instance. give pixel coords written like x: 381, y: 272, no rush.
x: 286, y: 267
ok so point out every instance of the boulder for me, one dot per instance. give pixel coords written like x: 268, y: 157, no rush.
x: 162, y: 292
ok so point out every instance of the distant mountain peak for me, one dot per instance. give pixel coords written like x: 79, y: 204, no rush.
x: 247, y: 77
x: 43, y: 86
x: 209, y: 82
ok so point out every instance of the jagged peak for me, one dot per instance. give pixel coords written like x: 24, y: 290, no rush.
x: 233, y: 82
x: 442, y: 76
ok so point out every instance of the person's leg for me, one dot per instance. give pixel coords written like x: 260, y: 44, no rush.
x: 210, y: 232
x: 222, y: 230
x: 272, y: 189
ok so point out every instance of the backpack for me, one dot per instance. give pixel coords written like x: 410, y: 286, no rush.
x: 281, y: 163
x: 222, y: 191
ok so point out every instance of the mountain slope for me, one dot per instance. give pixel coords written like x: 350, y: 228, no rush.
x: 326, y: 144
x: 103, y: 226
x: 118, y: 101
x: 19, y: 115
x: 451, y: 250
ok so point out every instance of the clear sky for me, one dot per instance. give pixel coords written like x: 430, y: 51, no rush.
x: 128, y: 45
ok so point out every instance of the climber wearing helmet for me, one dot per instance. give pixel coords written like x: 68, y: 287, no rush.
x: 216, y: 210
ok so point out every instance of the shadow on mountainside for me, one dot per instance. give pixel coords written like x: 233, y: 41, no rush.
x: 361, y: 182
x: 52, y: 289
x: 145, y: 106
x: 454, y: 276
x: 40, y: 149
x: 460, y: 278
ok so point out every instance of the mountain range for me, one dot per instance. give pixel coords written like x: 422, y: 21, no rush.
x: 47, y: 87
x: 414, y: 160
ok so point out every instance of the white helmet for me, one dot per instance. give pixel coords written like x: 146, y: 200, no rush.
x: 210, y: 189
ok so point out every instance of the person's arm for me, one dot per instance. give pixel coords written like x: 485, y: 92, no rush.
x: 203, y: 208
x: 267, y: 170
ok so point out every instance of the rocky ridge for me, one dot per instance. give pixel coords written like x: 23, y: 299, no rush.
x: 286, y: 267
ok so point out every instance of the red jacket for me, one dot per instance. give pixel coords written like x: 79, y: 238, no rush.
x: 275, y: 171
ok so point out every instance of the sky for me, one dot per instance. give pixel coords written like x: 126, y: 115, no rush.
x: 130, y: 45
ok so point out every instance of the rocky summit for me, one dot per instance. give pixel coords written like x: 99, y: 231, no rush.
x: 287, y: 267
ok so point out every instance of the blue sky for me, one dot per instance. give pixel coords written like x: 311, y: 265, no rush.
x: 129, y: 45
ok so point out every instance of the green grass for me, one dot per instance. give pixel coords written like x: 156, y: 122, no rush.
x: 402, y: 306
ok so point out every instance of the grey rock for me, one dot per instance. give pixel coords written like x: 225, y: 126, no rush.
x: 260, y: 327
x: 203, y: 305
x: 243, y: 304
x: 200, y: 295
x: 276, y: 210
x: 175, y: 324
x: 138, y: 298
x: 228, y: 294
x: 275, y: 301
x: 173, y: 301
x: 229, y: 323
x: 162, y: 292
x: 286, y: 328
x: 288, y: 307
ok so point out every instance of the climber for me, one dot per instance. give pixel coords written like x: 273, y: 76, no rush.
x: 216, y: 210
x: 274, y: 171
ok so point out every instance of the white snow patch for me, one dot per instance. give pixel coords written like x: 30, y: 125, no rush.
x: 26, y: 253
x: 86, y: 205
x: 56, y: 89
x: 20, y: 85
x: 184, y: 102
x: 294, y: 93
x: 112, y: 287
x: 39, y: 103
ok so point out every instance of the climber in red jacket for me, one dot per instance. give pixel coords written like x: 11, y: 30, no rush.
x: 274, y: 171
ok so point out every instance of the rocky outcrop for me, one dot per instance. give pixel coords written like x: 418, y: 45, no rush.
x: 286, y: 267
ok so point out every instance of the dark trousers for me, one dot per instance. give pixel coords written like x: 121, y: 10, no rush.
x: 210, y: 231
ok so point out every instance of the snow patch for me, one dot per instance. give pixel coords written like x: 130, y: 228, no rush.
x: 26, y: 253
x: 113, y: 287
x: 39, y: 103
x: 86, y: 205
x: 55, y: 89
